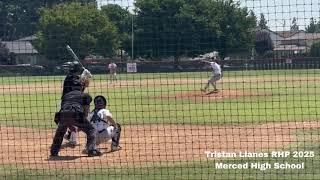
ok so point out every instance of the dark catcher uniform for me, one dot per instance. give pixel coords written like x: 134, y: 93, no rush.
x: 74, y: 108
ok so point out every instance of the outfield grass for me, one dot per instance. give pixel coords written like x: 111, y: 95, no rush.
x: 142, y: 76
x: 280, y: 101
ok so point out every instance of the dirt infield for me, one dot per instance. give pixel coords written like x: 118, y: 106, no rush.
x: 144, y: 144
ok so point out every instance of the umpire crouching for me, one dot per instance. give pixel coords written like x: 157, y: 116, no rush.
x: 75, y: 107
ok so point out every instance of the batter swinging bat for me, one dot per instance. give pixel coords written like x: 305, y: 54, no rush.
x: 86, y: 75
x: 75, y: 57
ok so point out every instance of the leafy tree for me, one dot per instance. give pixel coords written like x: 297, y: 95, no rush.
x: 252, y: 18
x: 122, y: 19
x: 4, y: 54
x: 189, y: 27
x: 315, y: 50
x: 235, y: 27
x: 294, y: 27
x: 19, y: 17
x: 84, y: 28
x: 313, y: 27
x: 263, y: 42
x: 263, y: 22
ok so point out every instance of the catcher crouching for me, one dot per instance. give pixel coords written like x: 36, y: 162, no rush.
x: 106, y: 127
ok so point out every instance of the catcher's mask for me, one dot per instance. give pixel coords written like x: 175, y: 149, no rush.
x: 75, y: 67
x: 100, y: 102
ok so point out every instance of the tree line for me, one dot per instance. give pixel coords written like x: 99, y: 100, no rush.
x: 166, y: 28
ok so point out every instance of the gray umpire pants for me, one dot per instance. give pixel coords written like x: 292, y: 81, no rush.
x: 83, y: 125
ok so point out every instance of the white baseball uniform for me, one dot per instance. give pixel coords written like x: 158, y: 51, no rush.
x: 104, y: 132
x: 216, y: 72
x: 112, y: 68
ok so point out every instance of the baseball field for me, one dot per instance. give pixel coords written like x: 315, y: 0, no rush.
x: 169, y: 126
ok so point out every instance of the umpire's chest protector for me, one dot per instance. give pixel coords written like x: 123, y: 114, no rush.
x: 70, y: 82
x: 72, y: 106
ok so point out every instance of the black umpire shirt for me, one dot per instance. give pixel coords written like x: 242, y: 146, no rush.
x: 70, y: 82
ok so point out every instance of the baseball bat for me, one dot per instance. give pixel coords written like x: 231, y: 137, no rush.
x: 75, y: 57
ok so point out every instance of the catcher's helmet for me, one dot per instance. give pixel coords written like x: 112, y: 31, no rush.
x: 100, y: 102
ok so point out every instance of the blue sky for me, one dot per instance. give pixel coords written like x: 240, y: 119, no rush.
x: 279, y: 13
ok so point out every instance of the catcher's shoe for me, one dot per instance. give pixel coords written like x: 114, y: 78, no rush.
x: 115, y: 148
x: 94, y: 152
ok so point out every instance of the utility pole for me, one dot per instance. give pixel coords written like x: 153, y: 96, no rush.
x: 132, y: 37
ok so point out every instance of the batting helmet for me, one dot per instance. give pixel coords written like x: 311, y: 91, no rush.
x: 100, y: 102
x: 75, y: 67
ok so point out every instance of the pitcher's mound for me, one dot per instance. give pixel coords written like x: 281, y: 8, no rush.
x: 209, y: 95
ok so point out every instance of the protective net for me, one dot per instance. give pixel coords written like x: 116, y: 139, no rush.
x: 149, y: 89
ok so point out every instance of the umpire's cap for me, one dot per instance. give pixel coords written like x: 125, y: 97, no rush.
x: 100, y: 102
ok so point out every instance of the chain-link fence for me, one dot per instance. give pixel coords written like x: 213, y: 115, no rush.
x: 171, y: 89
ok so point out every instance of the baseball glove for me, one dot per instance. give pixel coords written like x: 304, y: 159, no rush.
x: 85, y: 77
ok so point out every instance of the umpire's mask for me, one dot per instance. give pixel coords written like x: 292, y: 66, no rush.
x: 100, y: 102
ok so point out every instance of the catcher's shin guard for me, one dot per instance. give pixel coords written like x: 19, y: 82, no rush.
x: 116, y: 137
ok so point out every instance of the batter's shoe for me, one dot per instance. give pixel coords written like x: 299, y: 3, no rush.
x: 115, y: 148
x: 71, y: 137
x: 72, y: 144
x: 67, y: 136
x: 93, y: 153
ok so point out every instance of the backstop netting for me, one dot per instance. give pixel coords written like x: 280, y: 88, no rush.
x: 195, y: 89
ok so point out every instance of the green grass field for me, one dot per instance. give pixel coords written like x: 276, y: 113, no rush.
x: 284, y: 100
x: 285, y: 96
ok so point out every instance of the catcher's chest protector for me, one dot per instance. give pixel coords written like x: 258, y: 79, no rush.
x: 95, y: 118
x: 117, y: 131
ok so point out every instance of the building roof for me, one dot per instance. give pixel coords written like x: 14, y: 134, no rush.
x: 290, y: 48
x: 286, y: 34
x: 28, y: 38
x: 20, y: 47
x: 283, y: 34
x: 304, y: 36
x: 259, y: 29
